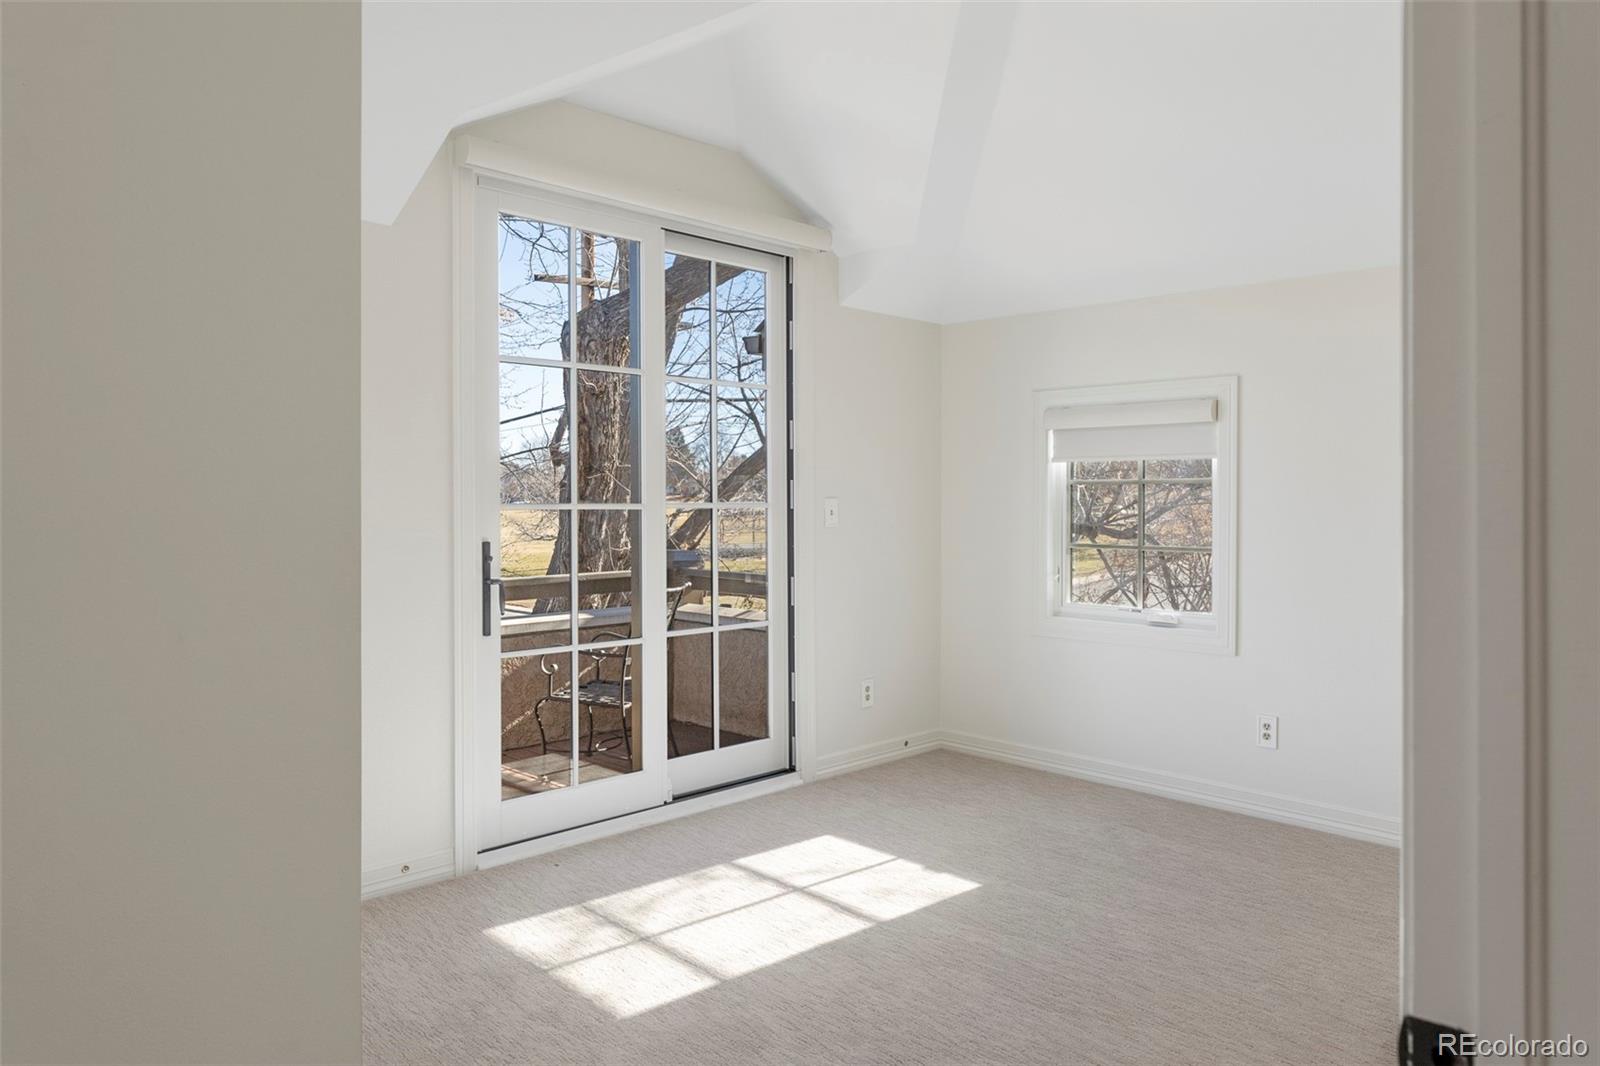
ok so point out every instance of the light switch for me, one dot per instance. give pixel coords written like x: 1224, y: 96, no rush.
x: 830, y: 511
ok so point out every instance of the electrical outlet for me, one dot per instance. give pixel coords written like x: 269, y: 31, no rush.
x: 1267, y: 730
x: 830, y: 511
x: 868, y: 692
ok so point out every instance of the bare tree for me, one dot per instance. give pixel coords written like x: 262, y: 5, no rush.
x: 600, y: 460
x: 1170, y: 505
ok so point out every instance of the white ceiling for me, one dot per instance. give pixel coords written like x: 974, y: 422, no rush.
x: 431, y: 65
x: 975, y: 159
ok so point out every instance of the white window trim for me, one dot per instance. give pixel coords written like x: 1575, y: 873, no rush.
x: 1216, y: 634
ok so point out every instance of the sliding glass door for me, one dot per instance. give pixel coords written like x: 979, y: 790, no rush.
x: 622, y: 376
x: 726, y: 448
x: 567, y: 678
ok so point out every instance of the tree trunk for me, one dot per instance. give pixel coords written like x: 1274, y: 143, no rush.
x: 604, y: 453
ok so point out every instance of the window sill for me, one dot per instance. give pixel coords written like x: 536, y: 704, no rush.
x: 1209, y: 635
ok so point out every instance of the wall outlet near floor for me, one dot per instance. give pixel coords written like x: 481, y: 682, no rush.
x: 830, y: 511
x: 868, y: 692
x: 1267, y: 730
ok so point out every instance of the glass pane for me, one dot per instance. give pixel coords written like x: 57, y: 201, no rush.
x: 1105, y: 513
x: 534, y: 542
x: 533, y: 434
x: 688, y: 568
x: 608, y: 576
x: 741, y: 324
x: 1178, y: 514
x: 609, y: 712
x: 535, y: 723
x: 741, y: 444
x: 688, y: 298
x: 688, y: 695
x: 1105, y: 575
x: 1106, y: 468
x: 533, y: 289
x: 742, y: 565
x: 742, y: 686
x: 1157, y: 468
x: 1177, y: 581
x: 534, y: 554
x: 608, y: 437
x: 605, y: 300
x: 688, y: 442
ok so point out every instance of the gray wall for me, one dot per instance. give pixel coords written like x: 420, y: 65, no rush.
x: 1572, y: 447
x: 180, y: 533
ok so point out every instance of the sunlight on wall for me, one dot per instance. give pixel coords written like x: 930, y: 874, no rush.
x: 637, y: 950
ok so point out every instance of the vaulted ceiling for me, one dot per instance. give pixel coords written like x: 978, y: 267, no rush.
x: 972, y: 160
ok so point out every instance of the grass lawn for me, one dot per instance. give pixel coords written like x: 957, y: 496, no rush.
x: 525, y: 554
x: 520, y: 554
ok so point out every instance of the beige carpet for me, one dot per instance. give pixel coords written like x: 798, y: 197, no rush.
x: 940, y: 909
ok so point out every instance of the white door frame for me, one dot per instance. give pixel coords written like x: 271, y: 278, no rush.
x: 1499, y: 935
x: 1466, y: 748
x: 466, y: 575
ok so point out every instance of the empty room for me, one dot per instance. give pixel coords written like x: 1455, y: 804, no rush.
x: 922, y: 532
x: 986, y: 415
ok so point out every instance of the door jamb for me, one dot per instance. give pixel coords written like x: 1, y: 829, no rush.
x: 1474, y: 933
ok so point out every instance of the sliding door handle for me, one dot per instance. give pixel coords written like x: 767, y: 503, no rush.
x: 490, y: 585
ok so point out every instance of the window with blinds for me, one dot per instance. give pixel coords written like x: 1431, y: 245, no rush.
x: 1139, y: 491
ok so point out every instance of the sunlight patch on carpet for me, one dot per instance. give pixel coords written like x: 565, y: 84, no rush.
x: 640, y: 949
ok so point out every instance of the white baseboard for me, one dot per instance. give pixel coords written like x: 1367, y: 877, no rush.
x: 843, y: 762
x: 1327, y: 817
x: 392, y: 877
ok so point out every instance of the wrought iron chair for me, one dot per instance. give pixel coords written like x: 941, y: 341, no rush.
x: 594, y: 688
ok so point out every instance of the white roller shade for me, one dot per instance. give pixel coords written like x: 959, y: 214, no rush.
x: 1171, y: 429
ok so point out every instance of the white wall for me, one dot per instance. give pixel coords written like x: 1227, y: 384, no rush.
x: 873, y: 407
x: 181, y: 531
x: 654, y: 164
x: 407, y: 728
x: 866, y: 398
x: 921, y: 586
x: 1319, y: 483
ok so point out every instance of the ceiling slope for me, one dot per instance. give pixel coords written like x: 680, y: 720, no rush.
x: 427, y: 67
x: 974, y: 159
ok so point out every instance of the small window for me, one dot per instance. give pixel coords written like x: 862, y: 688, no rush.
x: 1136, y: 493
x: 1139, y: 534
